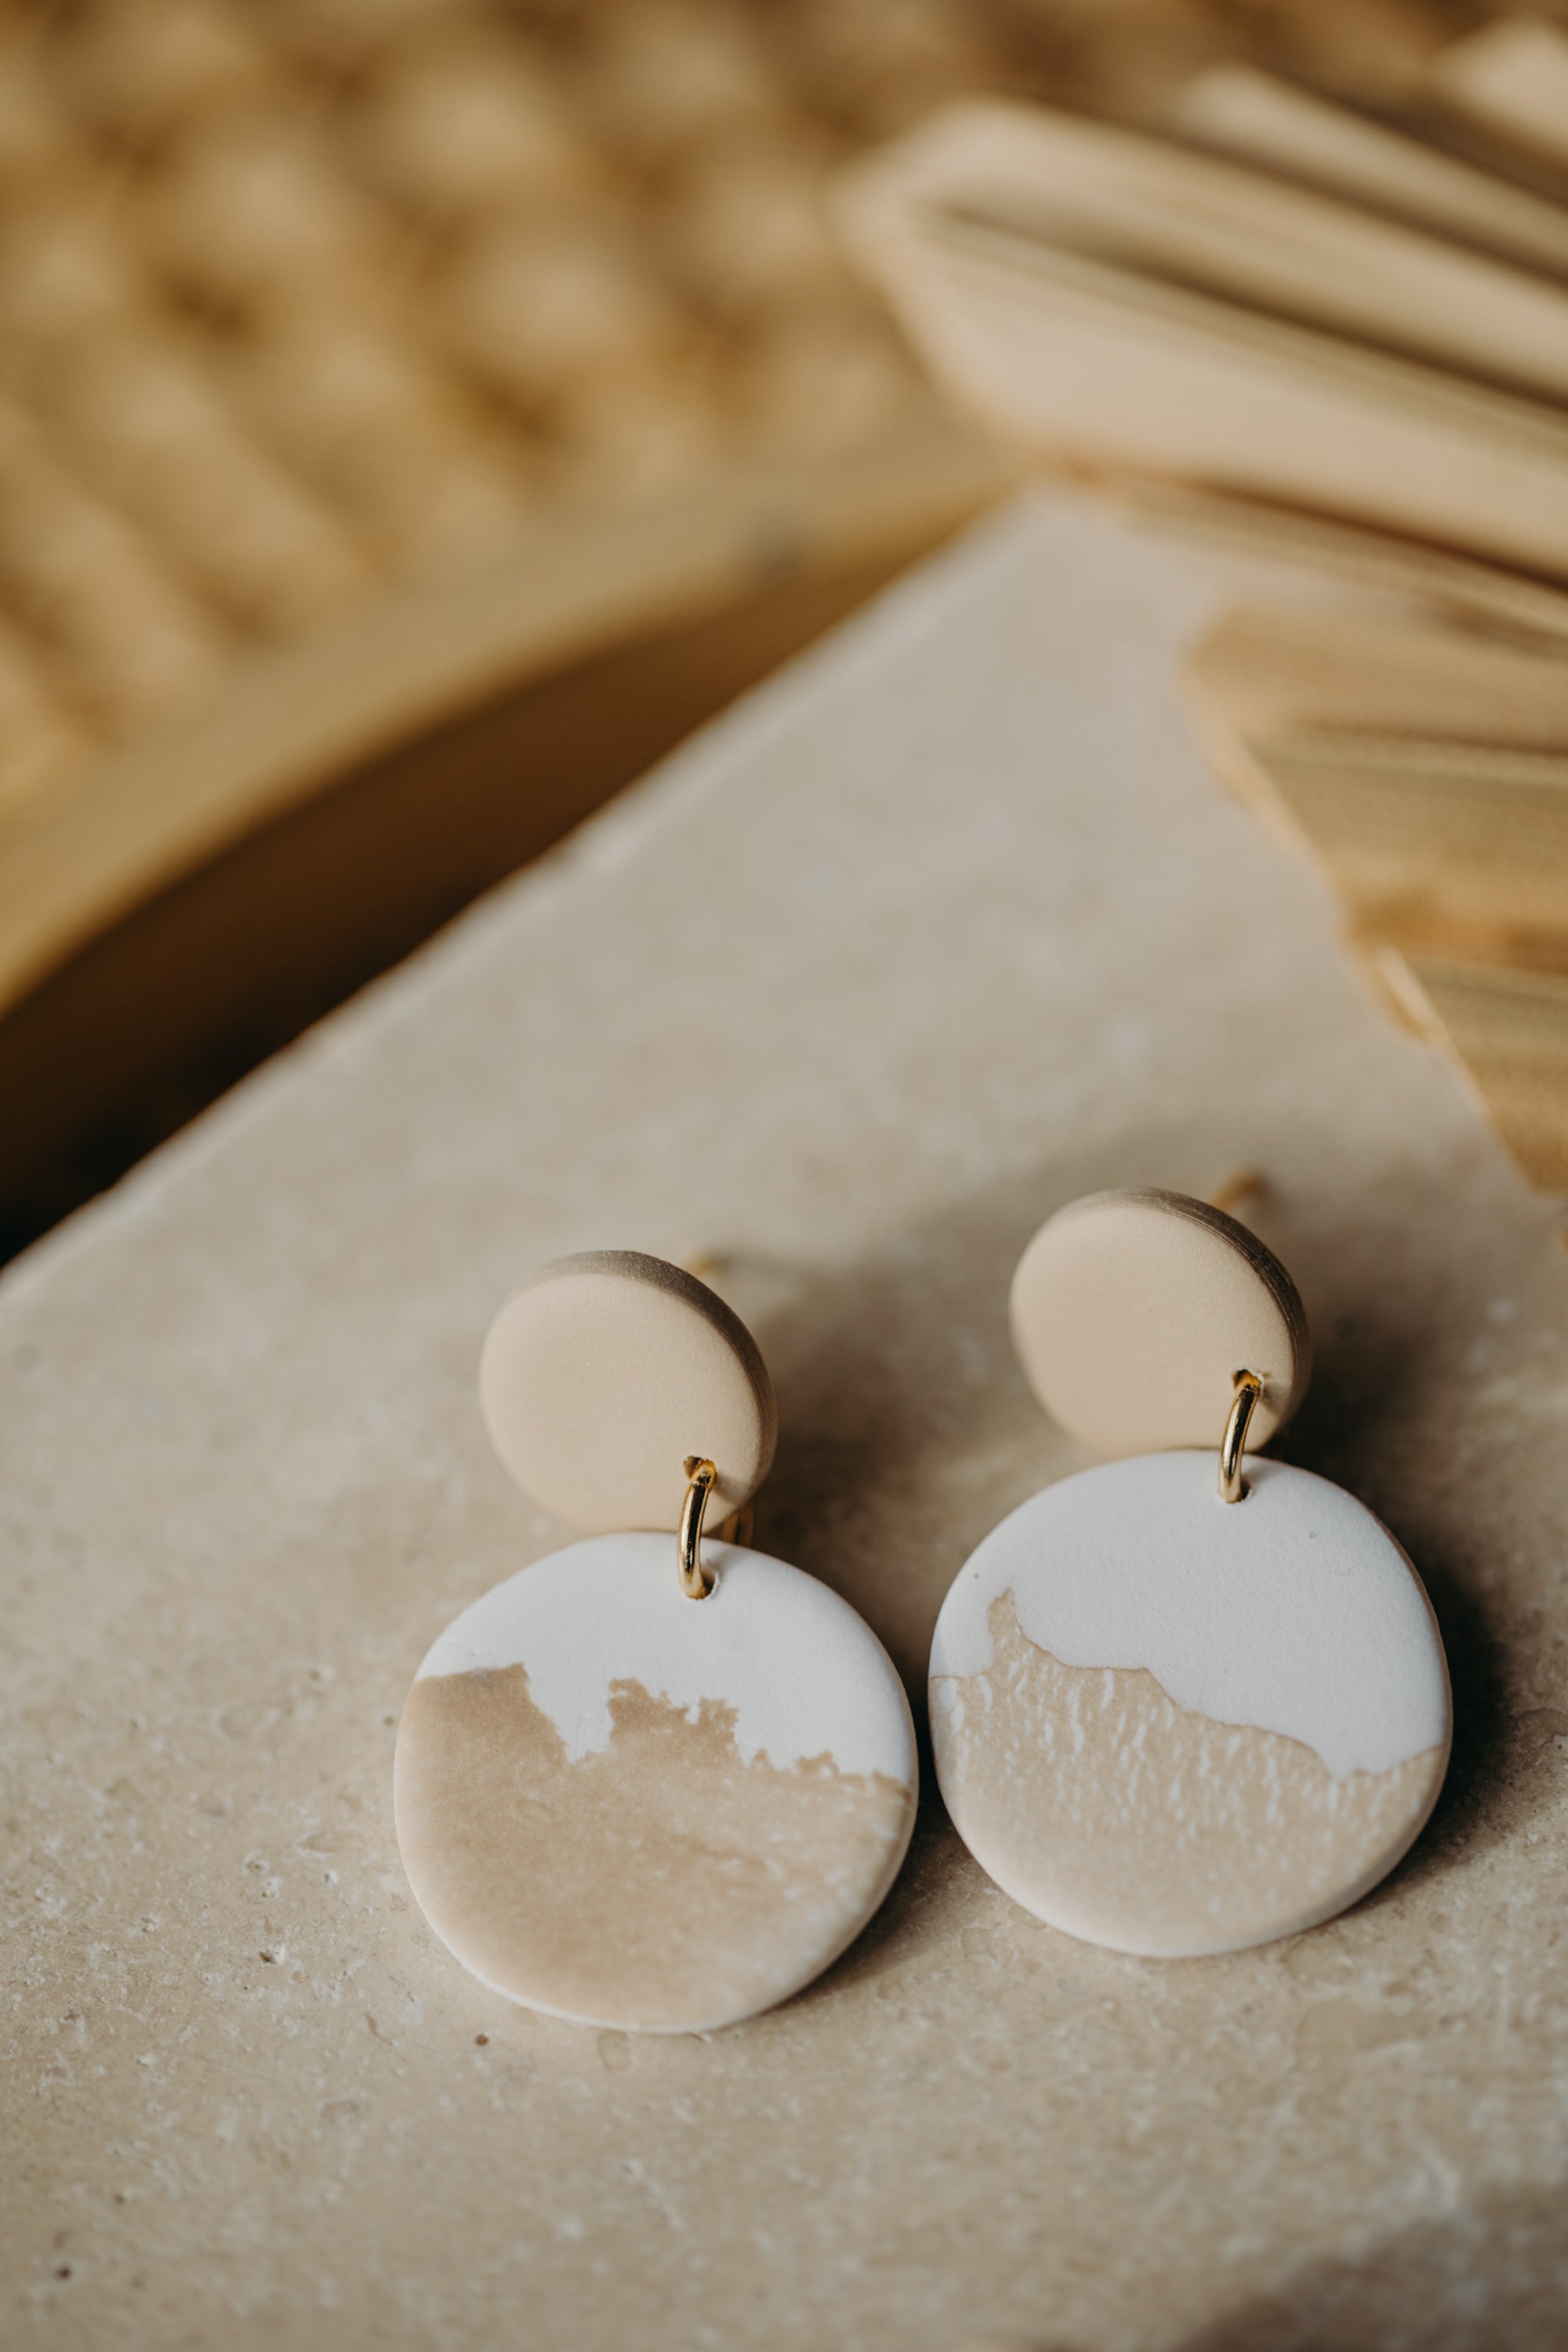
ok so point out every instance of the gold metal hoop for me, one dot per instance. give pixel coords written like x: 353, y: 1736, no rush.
x: 694, y: 1580
x: 1233, y: 1446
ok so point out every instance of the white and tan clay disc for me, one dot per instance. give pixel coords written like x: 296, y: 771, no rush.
x: 631, y: 1809
x: 605, y: 1372
x: 1175, y: 1725
x: 1132, y: 1312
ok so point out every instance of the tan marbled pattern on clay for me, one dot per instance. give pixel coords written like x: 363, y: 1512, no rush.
x: 661, y: 1882
x: 1112, y: 1812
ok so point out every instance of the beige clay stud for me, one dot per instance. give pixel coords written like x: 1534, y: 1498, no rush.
x: 1131, y: 1311
x: 604, y: 1371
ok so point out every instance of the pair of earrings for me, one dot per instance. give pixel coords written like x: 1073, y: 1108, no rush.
x: 1173, y: 1712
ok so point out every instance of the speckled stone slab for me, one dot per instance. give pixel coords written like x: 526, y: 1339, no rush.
x: 934, y: 934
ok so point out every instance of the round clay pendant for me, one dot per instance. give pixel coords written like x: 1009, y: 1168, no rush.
x: 632, y: 1808
x: 1175, y: 1725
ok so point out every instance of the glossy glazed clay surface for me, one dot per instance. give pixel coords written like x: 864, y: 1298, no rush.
x: 635, y: 1809
x: 1176, y: 1726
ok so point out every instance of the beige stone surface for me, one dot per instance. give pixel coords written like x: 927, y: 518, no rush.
x: 934, y: 934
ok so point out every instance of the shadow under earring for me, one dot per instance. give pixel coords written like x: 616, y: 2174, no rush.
x: 645, y: 1782
x: 1179, y: 1706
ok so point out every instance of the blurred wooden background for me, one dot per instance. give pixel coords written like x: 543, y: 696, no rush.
x: 417, y: 414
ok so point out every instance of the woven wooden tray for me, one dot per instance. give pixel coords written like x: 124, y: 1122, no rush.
x: 332, y: 330
x: 370, y: 365
x: 340, y: 343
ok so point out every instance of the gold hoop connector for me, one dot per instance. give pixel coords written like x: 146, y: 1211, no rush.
x: 1233, y: 1446
x: 701, y: 1477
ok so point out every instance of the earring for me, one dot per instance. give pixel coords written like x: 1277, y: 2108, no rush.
x: 644, y: 1783
x: 1174, y: 1712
